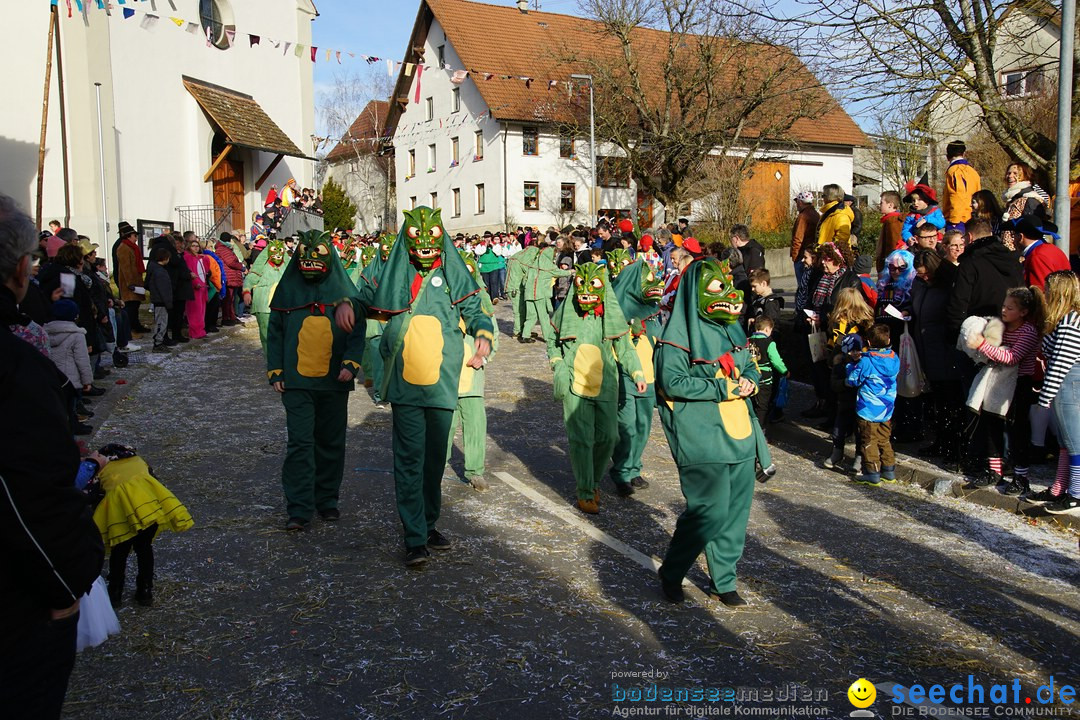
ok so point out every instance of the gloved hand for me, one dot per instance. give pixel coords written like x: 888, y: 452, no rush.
x: 561, y: 381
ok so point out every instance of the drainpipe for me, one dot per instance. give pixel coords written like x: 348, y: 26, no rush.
x: 506, y: 180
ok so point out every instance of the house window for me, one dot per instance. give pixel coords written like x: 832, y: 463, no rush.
x: 412, y: 163
x: 440, y: 52
x: 566, y: 197
x: 478, y: 154
x: 412, y: 202
x: 431, y: 158
x: 216, y: 17
x: 456, y: 193
x: 566, y: 147
x: 532, y: 196
x: 434, y: 201
x: 530, y: 139
x: 455, y: 99
x: 429, y: 109
x: 1019, y: 83
x: 455, y: 147
x: 613, y: 172
x: 480, y: 204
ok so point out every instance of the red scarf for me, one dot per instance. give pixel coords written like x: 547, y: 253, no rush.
x: 419, y: 280
x: 138, y: 254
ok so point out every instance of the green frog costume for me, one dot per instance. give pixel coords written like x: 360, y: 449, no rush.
x: 373, y: 258
x: 591, y: 337
x: 260, y: 283
x: 427, y: 293
x: 540, y: 274
x: 471, y: 413
x: 638, y: 289
x: 515, y: 283
x: 712, y: 431
x: 310, y: 354
x: 618, y: 260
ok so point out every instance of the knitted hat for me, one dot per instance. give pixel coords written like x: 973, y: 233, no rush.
x: 926, y: 191
x: 692, y: 246
x: 124, y: 229
x: 626, y: 225
x: 645, y: 243
x: 65, y: 310
x: 805, y: 196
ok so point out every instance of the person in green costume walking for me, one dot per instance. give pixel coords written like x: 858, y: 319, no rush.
x: 515, y: 284
x: 312, y: 363
x: 638, y: 289
x: 260, y: 283
x: 591, y: 337
x: 618, y: 260
x: 427, y: 293
x: 373, y: 258
x: 540, y: 274
x: 704, y: 377
x: 470, y: 413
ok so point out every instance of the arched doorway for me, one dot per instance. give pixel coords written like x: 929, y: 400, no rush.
x: 228, y: 182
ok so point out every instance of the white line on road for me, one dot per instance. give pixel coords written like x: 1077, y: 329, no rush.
x: 570, y: 517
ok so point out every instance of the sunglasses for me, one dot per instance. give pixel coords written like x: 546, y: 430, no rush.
x: 898, y: 267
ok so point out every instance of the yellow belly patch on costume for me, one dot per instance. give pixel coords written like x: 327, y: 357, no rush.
x: 734, y: 413
x: 645, y: 352
x: 314, y: 346
x: 422, y: 354
x: 468, y: 374
x: 588, y: 371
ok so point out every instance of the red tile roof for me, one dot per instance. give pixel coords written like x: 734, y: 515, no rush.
x: 366, y: 130
x: 506, y: 41
x: 243, y: 120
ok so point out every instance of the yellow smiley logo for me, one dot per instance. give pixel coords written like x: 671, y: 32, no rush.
x: 862, y: 693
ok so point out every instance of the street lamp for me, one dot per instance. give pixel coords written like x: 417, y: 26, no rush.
x: 592, y: 144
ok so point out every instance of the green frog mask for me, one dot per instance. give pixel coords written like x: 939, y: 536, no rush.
x: 470, y: 261
x: 590, y: 284
x: 314, y: 252
x: 367, y: 254
x: 617, y: 260
x: 275, y: 253
x: 718, y: 299
x: 652, y: 285
x: 386, y: 244
x: 424, y: 236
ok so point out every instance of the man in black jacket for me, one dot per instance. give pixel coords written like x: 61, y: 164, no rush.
x: 986, y: 271
x: 181, y: 281
x: 753, y: 254
x: 52, y: 551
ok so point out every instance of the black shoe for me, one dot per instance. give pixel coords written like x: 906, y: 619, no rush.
x: 101, y: 374
x: 81, y: 409
x: 525, y: 341
x: 437, y: 541
x: 94, y: 391
x: 673, y: 592
x: 330, y: 514
x: 417, y: 556
x: 145, y: 597
x: 1066, y: 505
x: 731, y: 599
x: 169, y: 342
x: 1043, y: 497
x: 986, y: 478
x: 161, y: 348
x: 1016, y: 487
x: 212, y: 330
x: 297, y: 524
x: 83, y: 429
x: 624, y: 489
x: 183, y: 339
x: 639, y: 482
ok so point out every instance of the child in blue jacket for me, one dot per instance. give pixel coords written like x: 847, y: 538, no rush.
x: 873, y: 374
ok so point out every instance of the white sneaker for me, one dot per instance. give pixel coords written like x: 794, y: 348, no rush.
x: 129, y: 348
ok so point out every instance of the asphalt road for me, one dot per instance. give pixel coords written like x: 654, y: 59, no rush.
x: 539, y: 611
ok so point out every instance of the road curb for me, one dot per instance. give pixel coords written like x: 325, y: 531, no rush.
x: 813, y: 443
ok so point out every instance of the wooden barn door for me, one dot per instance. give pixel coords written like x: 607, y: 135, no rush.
x: 766, y: 194
x: 229, y: 190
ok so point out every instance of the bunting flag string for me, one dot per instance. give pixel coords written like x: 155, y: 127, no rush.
x: 457, y: 75
x: 410, y: 131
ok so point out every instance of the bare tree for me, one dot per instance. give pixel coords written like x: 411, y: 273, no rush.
x: 357, y: 125
x: 678, y: 80
x: 882, y: 51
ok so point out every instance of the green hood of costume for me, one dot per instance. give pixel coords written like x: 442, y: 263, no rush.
x: 294, y: 292
x: 628, y: 291
x: 393, y: 293
x: 704, y: 340
x: 568, y: 322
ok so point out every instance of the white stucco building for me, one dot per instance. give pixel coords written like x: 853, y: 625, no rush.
x: 478, y: 146
x: 172, y: 100
x: 364, y: 171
